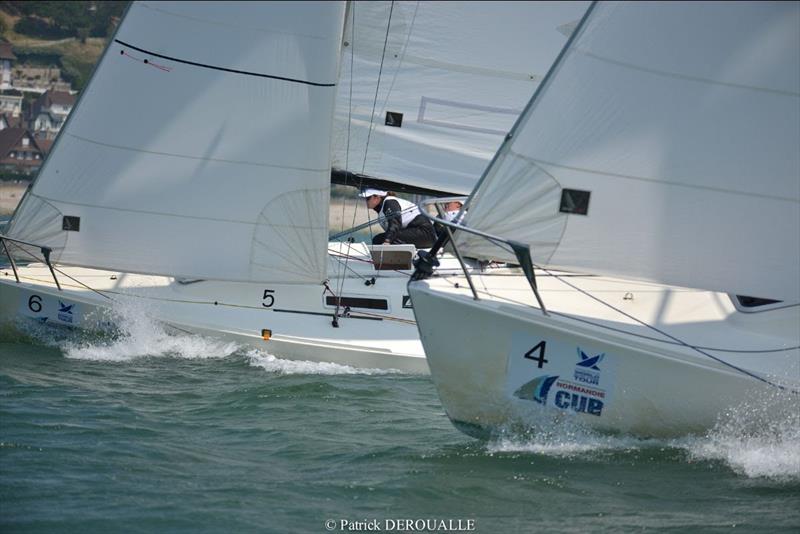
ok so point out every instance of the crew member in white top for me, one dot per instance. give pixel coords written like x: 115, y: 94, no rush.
x: 451, y: 210
x: 400, y: 219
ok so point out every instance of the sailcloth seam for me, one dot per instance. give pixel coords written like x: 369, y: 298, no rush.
x: 687, y: 77
x: 665, y: 182
x: 148, y: 212
x: 184, y: 156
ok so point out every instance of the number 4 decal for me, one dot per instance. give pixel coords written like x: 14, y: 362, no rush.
x: 539, y: 358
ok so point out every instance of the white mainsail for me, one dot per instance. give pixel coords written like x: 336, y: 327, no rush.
x: 451, y: 79
x: 201, y: 146
x: 682, y: 121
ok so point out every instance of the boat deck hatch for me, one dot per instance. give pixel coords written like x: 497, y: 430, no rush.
x: 391, y: 257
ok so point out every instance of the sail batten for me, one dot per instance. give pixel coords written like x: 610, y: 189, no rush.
x: 680, y: 124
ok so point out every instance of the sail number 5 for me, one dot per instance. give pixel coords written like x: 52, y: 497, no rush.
x: 268, y: 298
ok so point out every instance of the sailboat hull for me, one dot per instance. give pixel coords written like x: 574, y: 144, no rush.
x: 500, y: 363
x: 291, y: 321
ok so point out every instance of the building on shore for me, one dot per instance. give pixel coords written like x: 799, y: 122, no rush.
x: 20, y: 151
x: 7, y: 58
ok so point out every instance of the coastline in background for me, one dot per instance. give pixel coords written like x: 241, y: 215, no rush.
x: 10, y: 195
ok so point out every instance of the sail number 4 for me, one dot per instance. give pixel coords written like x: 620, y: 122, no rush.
x: 268, y: 298
x: 537, y: 354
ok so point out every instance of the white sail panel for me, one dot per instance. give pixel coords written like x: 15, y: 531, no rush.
x: 199, y: 117
x: 459, y: 73
x: 682, y: 120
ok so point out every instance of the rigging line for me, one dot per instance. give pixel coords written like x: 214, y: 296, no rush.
x: 670, y: 336
x: 100, y: 292
x: 669, y: 342
x: 29, y: 253
x: 350, y: 103
x: 488, y: 293
x: 377, y: 87
x: 345, y: 266
x: 402, y: 55
x: 343, y: 272
x: 225, y: 69
x: 333, y: 255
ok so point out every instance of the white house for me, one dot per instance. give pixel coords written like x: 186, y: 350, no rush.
x: 49, y: 112
x: 6, y: 58
x: 11, y: 102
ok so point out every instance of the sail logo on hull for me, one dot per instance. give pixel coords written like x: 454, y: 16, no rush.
x: 586, y: 370
x: 537, y: 389
x: 65, y: 312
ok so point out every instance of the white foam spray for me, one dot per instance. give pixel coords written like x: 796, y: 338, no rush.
x: 271, y: 364
x: 758, y: 439
x: 138, y: 335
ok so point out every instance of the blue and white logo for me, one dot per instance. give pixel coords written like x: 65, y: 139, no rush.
x: 65, y: 312
x: 536, y: 389
x: 587, y: 370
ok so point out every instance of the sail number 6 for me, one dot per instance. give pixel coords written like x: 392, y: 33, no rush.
x: 268, y: 298
x: 35, y: 303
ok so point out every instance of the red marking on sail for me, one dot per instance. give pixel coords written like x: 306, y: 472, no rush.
x: 146, y: 61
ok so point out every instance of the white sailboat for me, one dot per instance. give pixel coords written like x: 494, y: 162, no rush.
x: 193, y: 176
x: 654, y: 183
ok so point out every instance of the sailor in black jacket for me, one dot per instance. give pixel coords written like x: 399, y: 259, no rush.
x: 400, y: 219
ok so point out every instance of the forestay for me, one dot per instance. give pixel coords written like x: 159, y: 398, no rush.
x: 432, y: 87
x: 200, y: 147
x: 682, y: 121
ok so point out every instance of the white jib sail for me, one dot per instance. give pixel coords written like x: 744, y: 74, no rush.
x: 429, y: 89
x: 682, y: 122
x: 201, y: 147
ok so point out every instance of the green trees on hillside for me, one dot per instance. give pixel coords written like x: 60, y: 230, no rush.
x: 58, y: 20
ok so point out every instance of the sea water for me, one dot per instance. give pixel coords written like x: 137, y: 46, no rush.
x: 143, y: 430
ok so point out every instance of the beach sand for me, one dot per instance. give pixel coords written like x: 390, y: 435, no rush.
x: 10, y: 195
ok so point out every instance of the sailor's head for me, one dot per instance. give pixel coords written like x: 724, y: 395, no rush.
x: 373, y: 196
x: 455, y: 205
